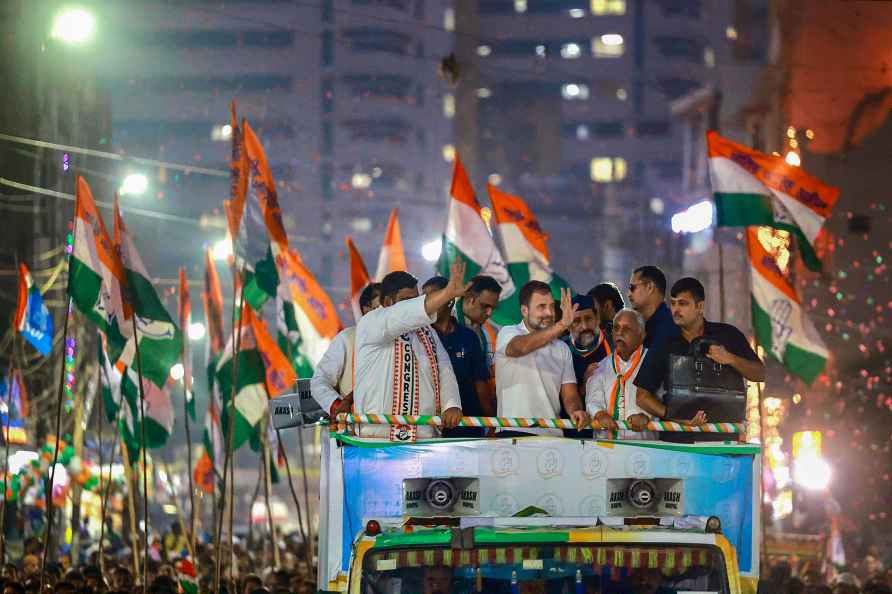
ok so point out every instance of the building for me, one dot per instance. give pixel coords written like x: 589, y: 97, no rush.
x: 566, y: 103
x: 344, y: 95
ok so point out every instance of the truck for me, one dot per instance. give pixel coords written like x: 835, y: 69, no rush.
x: 537, y: 514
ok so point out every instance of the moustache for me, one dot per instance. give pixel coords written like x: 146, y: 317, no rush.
x: 585, y: 339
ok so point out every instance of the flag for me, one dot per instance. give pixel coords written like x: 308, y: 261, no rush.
x: 314, y: 311
x: 187, y: 576
x: 95, y: 273
x: 525, y: 243
x: 184, y: 309
x: 213, y: 305
x: 468, y: 237
x: 751, y: 188
x: 392, y: 257
x: 263, y: 372
x: 209, y: 466
x: 782, y: 327
x: 290, y: 338
x: 12, y: 421
x: 160, y: 341
x: 32, y: 319
x: 359, y: 278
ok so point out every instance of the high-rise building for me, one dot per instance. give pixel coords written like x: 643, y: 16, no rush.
x: 566, y: 103
x: 344, y: 95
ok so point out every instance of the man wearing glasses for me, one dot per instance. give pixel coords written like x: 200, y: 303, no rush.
x: 647, y: 295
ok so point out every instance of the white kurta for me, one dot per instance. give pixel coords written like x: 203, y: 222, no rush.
x: 376, y: 382
x: 333, y: 376
x: 597, y: 396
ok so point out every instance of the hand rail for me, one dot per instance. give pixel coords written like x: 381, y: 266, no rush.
x: 343, y: 419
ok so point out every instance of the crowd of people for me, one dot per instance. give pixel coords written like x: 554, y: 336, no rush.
x: 589, y: 356
x: 869, y: 575
x: 252, y: 564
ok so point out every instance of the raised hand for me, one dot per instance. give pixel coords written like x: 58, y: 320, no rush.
x: 568, y: 309
x: 457, y: 285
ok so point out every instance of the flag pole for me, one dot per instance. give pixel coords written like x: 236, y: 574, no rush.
x: 145, y: 465
x: 131, y: 506
x: 300, y: 521
x: 49, y: 497
x: 107, y: 489
x: 231, y: 410
x: 6, y: 478
x: 189, y: 455
x: 180, y: 519
x: 267, y: 482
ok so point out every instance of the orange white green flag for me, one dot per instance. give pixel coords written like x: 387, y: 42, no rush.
x: 468, y: 237
x: 359, y: 277
x: 392, y: 257
x: 781, y: 324
x: 751, y: 188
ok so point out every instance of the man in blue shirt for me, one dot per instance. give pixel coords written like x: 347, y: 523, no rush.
x: 647, y: 295
x: 468, y: 363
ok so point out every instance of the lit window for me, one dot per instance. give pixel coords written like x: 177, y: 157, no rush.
x: 448, y: 153
x: 483, y: 50
x: 622, y: 94
x: 541, y: 51
x: 609, y: 45
x: 608, y: 169
x: 449, y: 19
x: 449, y: 105
x: 709, y: 57
x: 361, y: 181
x: 520, y: 6
x: 607, y: 7
x: 495, y: 179
x: 576, y: 13
x: 570, y: 51
x: 484, y: 93
x: 731, y: 33
x: 221, y: 133
x: 582, y: 132
x: 575, y: 92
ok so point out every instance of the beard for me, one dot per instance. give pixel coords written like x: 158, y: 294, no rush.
x: 585, y: 340
x: 541, y: 324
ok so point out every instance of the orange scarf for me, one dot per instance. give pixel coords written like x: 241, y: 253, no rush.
x: 618, y: 391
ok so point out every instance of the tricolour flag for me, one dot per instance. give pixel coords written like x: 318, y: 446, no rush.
x: 213, y: 305
x: 752, y: 188
x: 359, y: 278
x: 184, y: 309
x: 525, y: 243
x: 781, y: 325
x: 314, y: 311
x: 160, y: 341
x: 467, y: 237
x: 32, y: 318
x: 392, y: 257
x: 262, y: 372
x: 95, y: 273
x: 187, y: 576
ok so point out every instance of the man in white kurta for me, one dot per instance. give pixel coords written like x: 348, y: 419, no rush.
x: 610, y: 392
x: 332, y: 383
x: 401, y: 365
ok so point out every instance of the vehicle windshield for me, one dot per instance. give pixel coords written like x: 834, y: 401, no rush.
x: 547, y: 569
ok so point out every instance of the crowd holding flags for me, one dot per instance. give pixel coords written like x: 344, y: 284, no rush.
x: 140, y: 342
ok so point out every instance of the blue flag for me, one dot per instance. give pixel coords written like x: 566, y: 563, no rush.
x: 32, y: 318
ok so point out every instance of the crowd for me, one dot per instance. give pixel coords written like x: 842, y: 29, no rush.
x: 253, y: 570
x: 589, y: 356
x: 869, y: 575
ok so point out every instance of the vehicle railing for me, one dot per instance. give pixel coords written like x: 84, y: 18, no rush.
x: 343, y: 420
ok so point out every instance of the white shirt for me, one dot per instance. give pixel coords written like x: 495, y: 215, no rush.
x: 530, y: 386
x: 333, y: 376
x: 597, y: 396
x: 375, y: 391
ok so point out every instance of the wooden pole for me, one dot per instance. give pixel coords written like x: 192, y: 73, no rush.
x: 107, y: 489
x: 186, y: 398
x: 145, y: 466
x: 131, y: 505
x: 228, y: 455
x: 180, y: 518
x: 303, y: 468
x: 300, y: 521
x: 60, y: 397
x: 6, y: 477
x: 99, y: 421
x: 267, y: 485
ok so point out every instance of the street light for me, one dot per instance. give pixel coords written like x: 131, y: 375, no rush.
x: 223, y: 249
x: 697, y: 217
x: 73, y: 25
x: 177, y: 372
x: 196, y: 331
x: 134, y: 184
x: 431, y: 250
